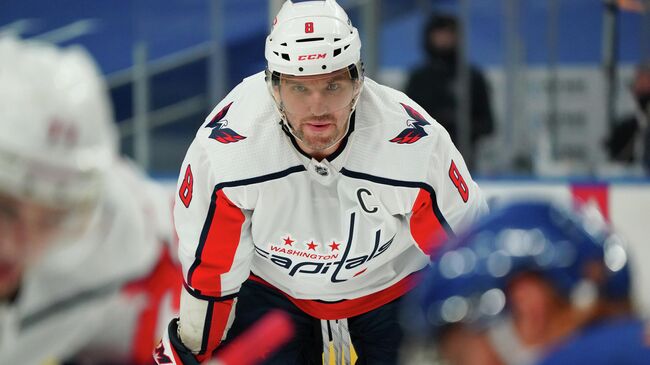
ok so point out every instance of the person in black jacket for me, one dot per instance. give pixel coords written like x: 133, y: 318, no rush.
x: 629, y: 140
x: 434, y: 85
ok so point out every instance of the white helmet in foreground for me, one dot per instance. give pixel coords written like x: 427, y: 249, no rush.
x: 57, y: 127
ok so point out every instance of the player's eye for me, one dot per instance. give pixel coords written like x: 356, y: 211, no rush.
x: 299, y: 88
x: 8, y: 210
x: 333, y: 86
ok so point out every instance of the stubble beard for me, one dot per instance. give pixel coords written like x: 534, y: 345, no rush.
x: 318, y: 142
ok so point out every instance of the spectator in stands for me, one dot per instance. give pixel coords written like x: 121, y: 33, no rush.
x: 85, y: 272
x: 532, y: 283
x: 434, y: 85
x: 629, y: 141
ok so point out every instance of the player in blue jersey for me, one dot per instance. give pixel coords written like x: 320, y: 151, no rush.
x: 532, y: 283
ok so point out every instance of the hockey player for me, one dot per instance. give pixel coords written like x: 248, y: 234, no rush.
x: 85, y: 274
x: 312, y: 189
x: 532, y: 283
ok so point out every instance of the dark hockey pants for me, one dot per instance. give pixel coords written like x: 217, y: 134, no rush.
x: 376, y: 335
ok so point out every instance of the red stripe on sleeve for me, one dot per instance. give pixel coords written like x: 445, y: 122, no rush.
x: 220, y: 313
x: 425, y: 227
x: 165, y: 279
x: 177, y: 359
x: 218, y: 250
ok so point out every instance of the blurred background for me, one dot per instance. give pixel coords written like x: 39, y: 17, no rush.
x: 559, y: 77
x: 558, y: 71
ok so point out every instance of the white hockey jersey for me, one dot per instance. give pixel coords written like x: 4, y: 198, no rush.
x: 90, y: 297
x: 340, y: 236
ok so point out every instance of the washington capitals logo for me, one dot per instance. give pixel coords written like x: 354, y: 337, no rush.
x: 219, y: 131
x: 415, y: 131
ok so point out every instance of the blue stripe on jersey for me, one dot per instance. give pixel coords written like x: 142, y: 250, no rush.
x: 406, y: 184
x: 213, y: 207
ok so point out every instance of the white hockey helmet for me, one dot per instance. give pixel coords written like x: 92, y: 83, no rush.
x: 313, y: 42
x: 57, y: 131
x: 312, y: 38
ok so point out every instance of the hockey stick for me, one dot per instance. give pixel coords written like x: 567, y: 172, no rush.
x: 259, y: 342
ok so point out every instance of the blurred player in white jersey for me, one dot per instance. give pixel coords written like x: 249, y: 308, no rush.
x: 533, y: 283
x: 85, y: 271
x: 315, y: 190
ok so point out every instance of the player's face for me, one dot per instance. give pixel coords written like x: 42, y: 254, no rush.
x: 318, y: 107
x: 464, y: 346
x: 26, y: 228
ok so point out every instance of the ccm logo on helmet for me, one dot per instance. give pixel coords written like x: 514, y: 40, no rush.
x: 315, y: 56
